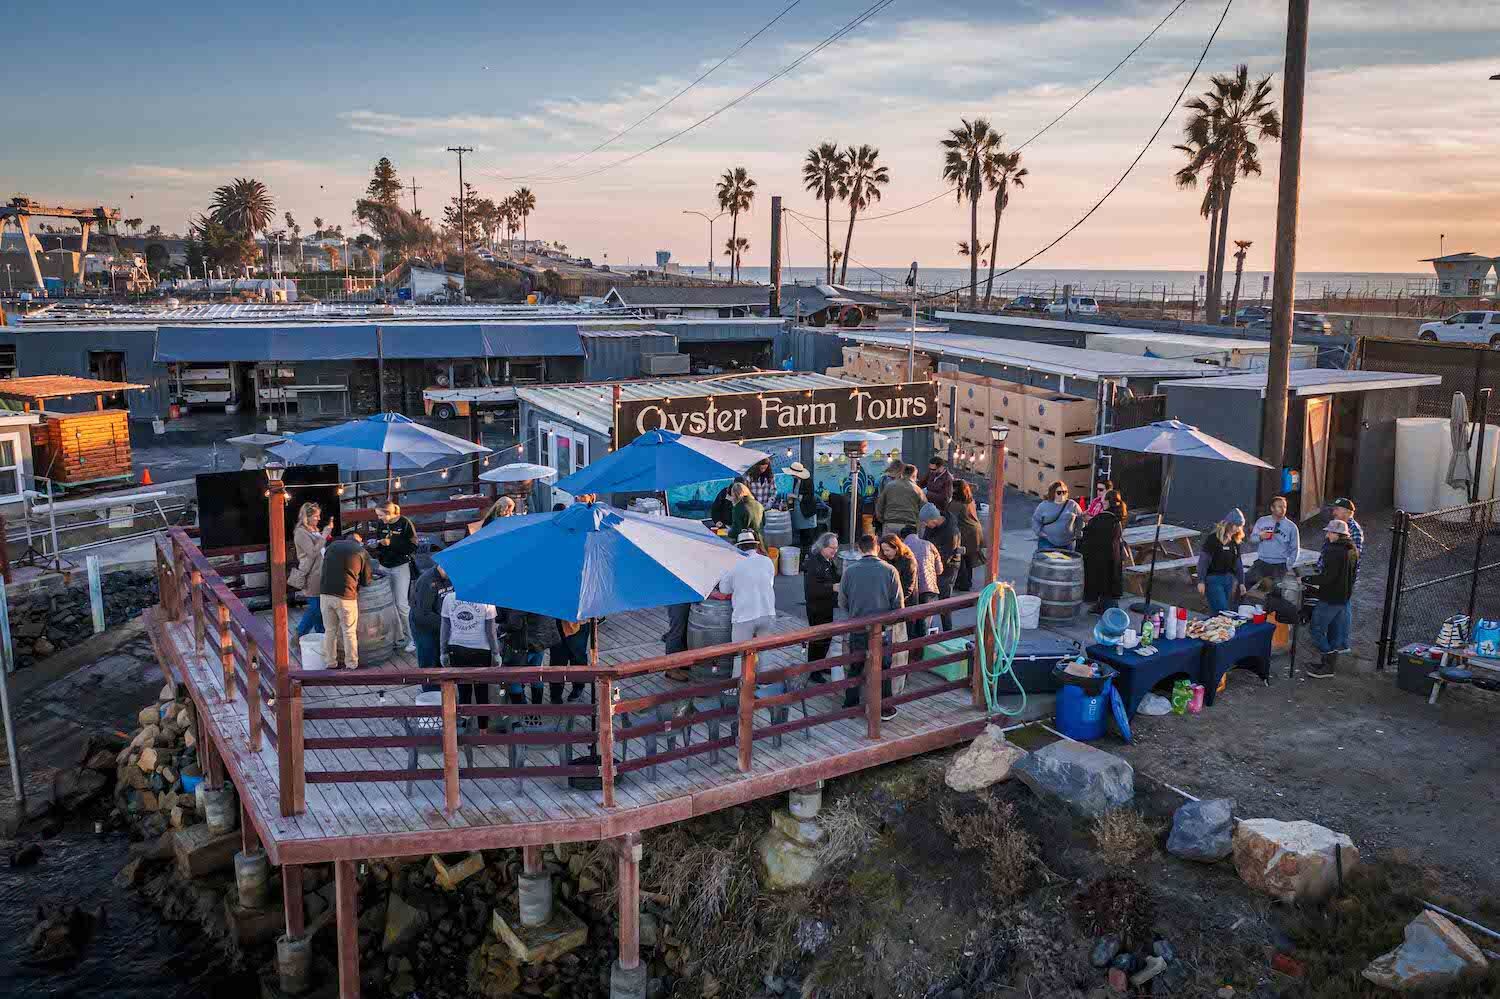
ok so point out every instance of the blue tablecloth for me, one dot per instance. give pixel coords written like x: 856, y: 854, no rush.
x: 1138, y: 674
x: 1250, y: 647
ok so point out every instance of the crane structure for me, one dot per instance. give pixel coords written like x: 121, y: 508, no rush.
x: 20, y: 211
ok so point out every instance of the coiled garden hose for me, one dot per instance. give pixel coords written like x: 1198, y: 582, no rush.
x: 997, y: 635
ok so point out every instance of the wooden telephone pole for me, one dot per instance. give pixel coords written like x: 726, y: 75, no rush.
x: 1283, y: 282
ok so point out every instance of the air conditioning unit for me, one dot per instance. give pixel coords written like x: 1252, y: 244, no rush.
x: 665, y: 364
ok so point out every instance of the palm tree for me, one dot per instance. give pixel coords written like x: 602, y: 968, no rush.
x: 963, y: 250
x: 1199, y: 150
x: 244, y: 206
x: 860, y: 186
x: 296, y: 231
x: 734, y: 249
x: 1002, y: 171
x: 736, y: 191
x: 524, y: 203
x: 1243, y: 247
x: 965, y: 151
x: 1222, y: 131
x: 822, y: 173
x: 317, y: 226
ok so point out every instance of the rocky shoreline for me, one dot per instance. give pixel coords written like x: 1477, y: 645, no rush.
x: 49, y: 620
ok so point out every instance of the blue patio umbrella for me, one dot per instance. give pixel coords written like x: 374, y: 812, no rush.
x: 587, y: 561
x: 1171, y: 439
x: 659, y: 460
x: 386, y: 441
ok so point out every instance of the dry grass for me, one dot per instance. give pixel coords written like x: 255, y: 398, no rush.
x: 1124, y: 835
x: 1117, y: 904
x: 850, y: 833
x: 1009, y: 861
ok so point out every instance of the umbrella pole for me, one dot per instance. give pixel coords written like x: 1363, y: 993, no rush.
x: 387, y: 475
x: 1144, y: 607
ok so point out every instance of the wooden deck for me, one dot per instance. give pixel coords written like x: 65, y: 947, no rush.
x: 358, y: 818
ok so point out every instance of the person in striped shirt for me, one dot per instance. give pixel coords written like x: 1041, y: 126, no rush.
x: 1343, y: 509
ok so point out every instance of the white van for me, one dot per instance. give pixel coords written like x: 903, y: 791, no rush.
x: 1078, y: 306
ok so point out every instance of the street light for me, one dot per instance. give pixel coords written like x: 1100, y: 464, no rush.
x: 711, y: 221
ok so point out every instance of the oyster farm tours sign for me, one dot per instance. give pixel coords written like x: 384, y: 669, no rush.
x: 768, y: 415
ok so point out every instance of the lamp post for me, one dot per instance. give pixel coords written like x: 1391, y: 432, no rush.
x: 280, y: 654
x: 711, y: 221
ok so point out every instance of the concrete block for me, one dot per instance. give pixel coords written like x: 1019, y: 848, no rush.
x: 200, y: 852
x: 538, y: 944
x: 251, y: 927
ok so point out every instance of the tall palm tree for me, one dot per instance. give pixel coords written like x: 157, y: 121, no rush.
x: 963, y: 250
x: 1243, y: 247
x: 1002, y: 171
x: 524, y: 204
x: 822, y: 173
x: 964, y: 153
x: 1199, y: 150
x: 736, y: 191
x: 244, y: 206
x: 734, y: 249
x: 1222, y: 134
x: 317, y: 226
x: 860, y: 186
x: 296, y: 230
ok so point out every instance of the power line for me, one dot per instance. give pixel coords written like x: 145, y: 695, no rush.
x: 660, y: 107
x: 1047, y: 127
x: 861, y: 18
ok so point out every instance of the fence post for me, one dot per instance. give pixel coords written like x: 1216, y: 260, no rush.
x: 604, y: 696
x: 226, y: 651
x: 195, y: 579
x: 747, y: 708
x: 450, y: 747
x: 96, y: 590
x: 1392, y: 581
x: 289, y: 750
x: 874, y: 660
x: 252, y: 691
x: 1403, y: 523
x: 1485, y: 520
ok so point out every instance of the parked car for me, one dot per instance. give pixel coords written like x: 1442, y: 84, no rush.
x: 1078, y: 306
x: 1026, y: 303
x: 1250, y: 313
x: 1464, y: 327
x: 1304, y: 323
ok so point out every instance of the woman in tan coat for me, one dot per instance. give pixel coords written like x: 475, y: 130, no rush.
x: 308, y: 540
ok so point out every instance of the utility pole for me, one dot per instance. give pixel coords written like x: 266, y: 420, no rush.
x: 775, y: 254
x: 911, y: 346
x: 711, y: 219
x: 463, y: 219
x: 1284, y: 275
x: 414, y: 190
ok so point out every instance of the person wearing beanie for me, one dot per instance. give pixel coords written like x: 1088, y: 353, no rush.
x: 1335, y: 583
x: 940, y: 529
x: 1221, y: 573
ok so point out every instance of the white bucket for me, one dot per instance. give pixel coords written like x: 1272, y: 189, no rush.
x: 791, y: 560
x: 311, y: 648
x: 1030, y: 611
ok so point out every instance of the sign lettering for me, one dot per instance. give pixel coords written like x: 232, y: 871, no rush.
x: 752, y: 416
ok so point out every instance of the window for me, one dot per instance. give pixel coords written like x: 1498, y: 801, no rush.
x: 10, y: 467
x: 1472, y: 317
x: 563, y: 448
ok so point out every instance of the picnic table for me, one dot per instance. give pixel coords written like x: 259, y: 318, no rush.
x: 1144, y: 536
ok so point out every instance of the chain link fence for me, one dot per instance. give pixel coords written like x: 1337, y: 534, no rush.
x: 1442, y: 563
x: 1464, y: 368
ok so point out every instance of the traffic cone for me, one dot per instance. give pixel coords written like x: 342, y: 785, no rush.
x: 146, y: 477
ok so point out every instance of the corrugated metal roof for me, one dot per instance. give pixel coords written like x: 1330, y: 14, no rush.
x: 649, y: 296
x: 1322, y: 381
x: 316, y: 312
x: 1090, y: 365
x: 621, y: 334
x: 591, y: 405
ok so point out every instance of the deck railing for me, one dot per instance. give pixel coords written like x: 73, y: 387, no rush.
x: 596, y: 743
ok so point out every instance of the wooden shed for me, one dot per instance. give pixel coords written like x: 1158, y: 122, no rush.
x: 75, y: 448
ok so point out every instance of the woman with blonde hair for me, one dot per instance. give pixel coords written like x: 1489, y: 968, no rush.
x: 308, y: 541
x: 1221, y: 573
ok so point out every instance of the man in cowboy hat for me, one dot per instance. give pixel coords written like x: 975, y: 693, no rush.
x: 804, y: 506
x: 1335, y: 583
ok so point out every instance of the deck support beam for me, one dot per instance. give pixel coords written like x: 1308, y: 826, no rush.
x: 346, y: 901
x: 291, y: 899
x: 535, y: 888
x: 627, y: 979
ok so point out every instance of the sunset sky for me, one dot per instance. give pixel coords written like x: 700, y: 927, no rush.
x: 150, y: 111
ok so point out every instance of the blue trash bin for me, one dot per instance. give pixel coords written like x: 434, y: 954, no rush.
x: 1081, y: 715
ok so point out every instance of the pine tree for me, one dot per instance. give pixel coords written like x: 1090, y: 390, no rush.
x: 385, y: 186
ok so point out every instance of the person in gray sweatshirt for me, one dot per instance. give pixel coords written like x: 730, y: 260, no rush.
x: 1056, y: 520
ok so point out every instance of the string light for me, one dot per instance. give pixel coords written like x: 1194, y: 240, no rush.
x: 443, y: 474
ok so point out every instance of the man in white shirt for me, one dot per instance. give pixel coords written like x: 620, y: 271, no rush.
x: 469, y: 639
x: 751, y: 586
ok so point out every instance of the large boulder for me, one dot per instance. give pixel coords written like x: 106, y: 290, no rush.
x: 988, y: 760
x: 791, y: 852
x: 1291, y: 860
x: 1088, y: 780
x: 1203, y: 830
x: 1434, y: 955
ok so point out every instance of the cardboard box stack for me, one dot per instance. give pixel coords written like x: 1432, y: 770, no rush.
x: 1044, y: 429
x: 1054, y: 423
x: 883, y: 365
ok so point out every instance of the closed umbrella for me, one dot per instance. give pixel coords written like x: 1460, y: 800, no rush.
x: 386, y: 440
x: 659, y: 460
x: 1459, y: 474
x: 1172, y: 440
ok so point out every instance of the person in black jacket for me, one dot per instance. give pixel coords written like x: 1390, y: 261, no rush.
x: 395, y: 542
x: 722, y: 510
x: 1103, y: 550
x: 427, y: 615
x: 941, y: 529
x: 527, y: 638
x: 820, y: 581
x: 1335, y: 583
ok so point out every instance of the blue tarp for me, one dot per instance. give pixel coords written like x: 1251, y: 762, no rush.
x: 265, y: 343
x: 533, y: 340
x: 405, y: 341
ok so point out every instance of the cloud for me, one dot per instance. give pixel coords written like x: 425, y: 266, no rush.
x: 411, y: 126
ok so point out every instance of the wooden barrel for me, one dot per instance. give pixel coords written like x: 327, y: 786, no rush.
x: 1056, y: 577
x: 776, y: 528
x: 377, y: 629
x: 709, y: 623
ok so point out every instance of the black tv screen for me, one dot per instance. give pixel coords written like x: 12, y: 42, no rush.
x: 233, y: 512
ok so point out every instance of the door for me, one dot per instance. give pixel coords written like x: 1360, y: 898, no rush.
x: 562, y: 448
x: 1315, y: 427
x: 109, y: 366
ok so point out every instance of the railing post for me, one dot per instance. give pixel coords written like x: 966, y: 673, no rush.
x: 874, y: 661
x: 196, y: 581
x: 252, y: 691
x: 976, y: 674
x: 226, y: 651
x: 289, y: 746
x: 746, y: 739
x: 604, y: 696
x: 450, y: 747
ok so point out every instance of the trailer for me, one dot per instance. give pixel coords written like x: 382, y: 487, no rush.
x: 449, y: 403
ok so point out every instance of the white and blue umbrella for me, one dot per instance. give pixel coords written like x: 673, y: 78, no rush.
x: 587, y: 561
x: 659, y: 460
x: 385, y: 441
x: 1171, y: 439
